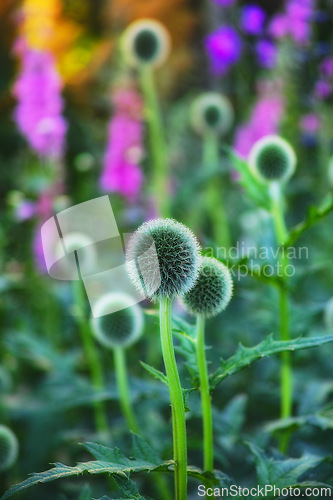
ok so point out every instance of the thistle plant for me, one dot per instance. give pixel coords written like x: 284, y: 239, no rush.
x: 210, y: 295
x: 145, y: 46
x: 8, y: 448
x: 163, y: 262
x: 212, y: 117
x: 273, y: 161
x: 118, y: 330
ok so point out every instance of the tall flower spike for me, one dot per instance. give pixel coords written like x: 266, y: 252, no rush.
x: 272, y: 159
x: 8, y: 448
x: 212, y: 291
x: 211, y: 113
x: 121, y: 171
x: 145, y: 42
x: 121, y: 328
x: 163, y: 259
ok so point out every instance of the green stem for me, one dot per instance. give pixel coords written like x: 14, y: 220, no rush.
x: 214, y: 192
x: 156, y: 142
x: 91, y: 353
x: 205, y: 395
x: 123, y: 389
x: 281, y: 233
x: 177, y: 403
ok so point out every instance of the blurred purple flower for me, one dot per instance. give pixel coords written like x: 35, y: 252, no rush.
x: 266, y: 53
x: 296, y: 21
x: 310, y: 123
x: 25, y: 210
x: 39, y: 109
x: 265, y: 119
x: 223, y: 47
x: 122, y: 172
x: 225, y: 3
x: 326, y: 66
x: 323, y: 89
x: 253, y: 19
x: 278, y: 27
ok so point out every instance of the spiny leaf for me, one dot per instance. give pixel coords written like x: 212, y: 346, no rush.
x: 282, y: 473
x: 244, y: 356
x: 315, y: 214
x: 104, y: 453
x: 210, y: 479
x: 156, y: 373
x: 143, y: 451
x: 322, y: 419
x: 129, y: 488
x: 111, y: 462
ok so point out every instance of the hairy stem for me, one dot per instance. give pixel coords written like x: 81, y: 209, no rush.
x: 281, y: 233
x: 177, y: 403
x: 205, y: 395
x: 123, y: 389
x: 156, y: 142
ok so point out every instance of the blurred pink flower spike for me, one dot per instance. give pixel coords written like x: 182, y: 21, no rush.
x: 265, y: 119
x: 38, y: 113
x: 122, y: 172
x: 83, y: 242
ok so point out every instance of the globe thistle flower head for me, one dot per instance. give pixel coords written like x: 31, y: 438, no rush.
x: 272, y: 159
x: 163, y: 259
x: 8, y: 448
x: 328, y: 314
x: 211, y: 113
x: 145, y: 42
x: 212, y: 291
x: 120, y: 328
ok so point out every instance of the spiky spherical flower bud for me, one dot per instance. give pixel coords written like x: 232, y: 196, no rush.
x: 211, y: 113
x: 120, y: 328
x: 145, y: 42
x: 328, y: 314
x: 212, y: 291
x: 8, y: 448
x: 272, y: 159
x: 163, y: 259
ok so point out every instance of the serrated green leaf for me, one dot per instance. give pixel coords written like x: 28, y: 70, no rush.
x: 129, y: 488
x: 282, y: 473
x: 112, y: 455
x: 156, y: 373
x: 315, y: 214
x: 122, y: 466
x: 322, y: 419
x: 210, y: 479
x: 143, y: 451
x: 244, y: 356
